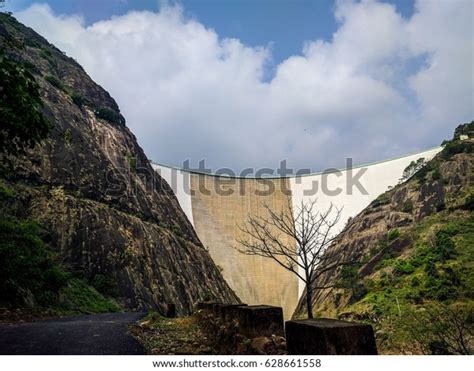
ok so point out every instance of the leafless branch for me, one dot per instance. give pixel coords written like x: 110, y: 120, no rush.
x: 297, y: 238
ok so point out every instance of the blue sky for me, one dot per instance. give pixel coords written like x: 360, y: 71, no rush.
x: 244, y: 83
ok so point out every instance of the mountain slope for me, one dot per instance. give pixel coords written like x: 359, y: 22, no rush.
x: 414, y: 248
x: 89, y: 184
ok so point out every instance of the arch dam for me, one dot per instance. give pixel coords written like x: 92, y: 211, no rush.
x: 218, y: 206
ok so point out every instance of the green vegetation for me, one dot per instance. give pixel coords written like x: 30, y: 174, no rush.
x: 53, y: 80
x: 104, y: 284
x: 32, y: 42
x: 80, y: 297
x: 439, y: 329
x: 380, y: 200
x: 132, y: 162
x: 455, y: 146
x: 403, y: 267
x: 103, y: 113
x: 30, y: 274
x: 21, y: 119
x: 109, y: 115
x: 436, y: 174
x: 176, y: 230
x: 422, y: 174
x: 393, y: 235
x: 415, y: 286
x: 464, y: 129
x: 434, y: 277
x: 6, y: 192
x: 407, y: 206
x: 413, y: 168
x: 351, y: 280
x: 45, y: 53
x: 78, y: 99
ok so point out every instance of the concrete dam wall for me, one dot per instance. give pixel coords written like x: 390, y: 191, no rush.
x: 218, y: 206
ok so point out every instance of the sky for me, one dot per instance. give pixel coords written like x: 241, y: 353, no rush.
x: 250, y: 83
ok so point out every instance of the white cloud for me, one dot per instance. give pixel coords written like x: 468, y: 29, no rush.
x: 444, y: 88
x: 187, y: 93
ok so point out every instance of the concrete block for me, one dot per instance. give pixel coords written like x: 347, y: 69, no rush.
x: 228, y: 312
x: 329, y: 337
x: 170, y: 310
x: 260, y: 320
x: 220, y: 310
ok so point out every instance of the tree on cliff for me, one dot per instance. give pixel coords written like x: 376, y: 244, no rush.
x: 297, y: 239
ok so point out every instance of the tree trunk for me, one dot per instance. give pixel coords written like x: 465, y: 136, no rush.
x: 309, y: 304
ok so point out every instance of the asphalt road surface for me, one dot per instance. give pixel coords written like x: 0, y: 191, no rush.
x: 104, y: 333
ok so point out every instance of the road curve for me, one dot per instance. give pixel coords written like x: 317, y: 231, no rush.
x: 104, y: 333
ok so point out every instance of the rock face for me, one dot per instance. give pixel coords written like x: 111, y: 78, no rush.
x: 91, y: 186
x: 445, y: 183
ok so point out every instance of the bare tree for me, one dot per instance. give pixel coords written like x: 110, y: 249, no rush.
x: 296, y: 239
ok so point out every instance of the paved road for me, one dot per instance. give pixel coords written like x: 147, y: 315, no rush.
x: 104, y: 333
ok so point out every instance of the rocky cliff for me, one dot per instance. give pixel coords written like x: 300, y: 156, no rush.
x: 91, y: 186
x: 412, y: 248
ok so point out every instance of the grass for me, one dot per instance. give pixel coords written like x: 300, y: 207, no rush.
x: 80, y: 297
x: 5, y: 191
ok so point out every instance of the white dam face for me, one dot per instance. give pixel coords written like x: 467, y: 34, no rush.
x: 217, y: 206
